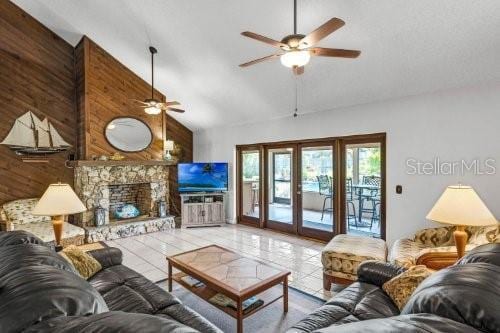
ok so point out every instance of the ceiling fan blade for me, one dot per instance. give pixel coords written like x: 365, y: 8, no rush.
x: 314, y: 37
x: 138, y: 101
x: 175, y: 110
x: 165, y: 105
x: 256, y: 61
x: 324, y: 52
x: 264, y: 39
x: 298, y: 70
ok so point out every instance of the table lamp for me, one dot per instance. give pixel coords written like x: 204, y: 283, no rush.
x: 169, y: 146
x: 461, y: 206
x: 57, y: 201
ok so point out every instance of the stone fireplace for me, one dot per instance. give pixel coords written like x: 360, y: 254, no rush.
x: 110, y: 185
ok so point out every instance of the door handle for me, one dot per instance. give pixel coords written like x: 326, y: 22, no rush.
x: 299, y: 192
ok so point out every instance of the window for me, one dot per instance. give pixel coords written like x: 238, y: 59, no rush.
x: 316, y: 161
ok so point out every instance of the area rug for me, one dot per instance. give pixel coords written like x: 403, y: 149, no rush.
x: 268, y: 320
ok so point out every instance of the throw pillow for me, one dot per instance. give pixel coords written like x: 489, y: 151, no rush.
x: 84, y: 263
x: 400, y: 287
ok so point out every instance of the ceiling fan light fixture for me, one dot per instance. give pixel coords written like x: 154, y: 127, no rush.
x: 152, y: 110
x: 295, y: 58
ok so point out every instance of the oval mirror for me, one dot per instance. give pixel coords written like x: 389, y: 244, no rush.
x: 128, y: 134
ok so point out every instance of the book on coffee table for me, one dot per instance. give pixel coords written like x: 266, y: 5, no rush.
x: 192, y: 282
x: 248, y: 305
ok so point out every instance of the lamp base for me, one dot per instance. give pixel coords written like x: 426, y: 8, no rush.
x: 460, y: 240
x: 57, y: 225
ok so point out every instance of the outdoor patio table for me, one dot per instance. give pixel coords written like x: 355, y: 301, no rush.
x: 358, y: 188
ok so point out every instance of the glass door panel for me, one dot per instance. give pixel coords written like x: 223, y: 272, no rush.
x: 317, y: 191
x: 363, y: 188
x: 280, y: 188
x: 282, y: 168
x: 250, y: 185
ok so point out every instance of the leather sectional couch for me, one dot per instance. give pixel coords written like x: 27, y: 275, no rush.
x: 40, y: 292
x: 462, y: 298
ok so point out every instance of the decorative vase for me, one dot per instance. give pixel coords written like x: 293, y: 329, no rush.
x: 99, y: 216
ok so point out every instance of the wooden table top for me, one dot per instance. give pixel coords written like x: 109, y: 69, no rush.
x: 227, y: 269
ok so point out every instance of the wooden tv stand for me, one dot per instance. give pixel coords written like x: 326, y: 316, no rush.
x: 202, y: 209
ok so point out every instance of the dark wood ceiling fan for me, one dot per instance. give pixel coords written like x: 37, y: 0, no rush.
x: 297, y: 49
x: 152, y: 105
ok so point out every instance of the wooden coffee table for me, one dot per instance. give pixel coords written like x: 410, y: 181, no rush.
x: 226, y: 272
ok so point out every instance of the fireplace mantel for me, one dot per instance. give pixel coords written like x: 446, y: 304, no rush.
x: 92, y: 163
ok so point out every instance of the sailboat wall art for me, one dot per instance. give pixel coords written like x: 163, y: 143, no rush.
x: 31, y: 136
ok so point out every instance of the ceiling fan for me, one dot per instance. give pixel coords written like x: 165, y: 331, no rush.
x: 151, y: 105
x: 296, y: 49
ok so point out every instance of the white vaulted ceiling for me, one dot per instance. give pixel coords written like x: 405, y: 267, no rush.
x: 408, y: 48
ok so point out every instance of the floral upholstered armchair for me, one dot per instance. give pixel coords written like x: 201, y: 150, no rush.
x: 437, y: 244
x: 16, y: 215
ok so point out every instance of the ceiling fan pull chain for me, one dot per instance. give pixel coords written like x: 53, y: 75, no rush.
x: 296, y: 97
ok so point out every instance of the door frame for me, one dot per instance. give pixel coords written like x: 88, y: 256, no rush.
x: 275, y: 225
x: 373, y: 138
x: 240, y: 217
x: 310, y: 232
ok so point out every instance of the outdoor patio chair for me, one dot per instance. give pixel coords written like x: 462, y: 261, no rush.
x: 372, y: 196
x: 326, y: 190
x: 350, y: 203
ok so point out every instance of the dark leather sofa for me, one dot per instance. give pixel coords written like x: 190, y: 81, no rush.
x: 463, y: 298
x: 40, y: 292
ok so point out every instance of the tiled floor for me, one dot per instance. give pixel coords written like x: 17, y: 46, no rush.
x: 146, y: 253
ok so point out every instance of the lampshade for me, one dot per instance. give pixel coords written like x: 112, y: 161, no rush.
x: 59, y: 199
x: 169, y: 145
x: 460, y: 205
x: 295, y: 58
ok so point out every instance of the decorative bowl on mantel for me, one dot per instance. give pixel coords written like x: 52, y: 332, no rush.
x: 127, y: 212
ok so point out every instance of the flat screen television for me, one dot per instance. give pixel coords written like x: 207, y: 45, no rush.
x: 202, y: 177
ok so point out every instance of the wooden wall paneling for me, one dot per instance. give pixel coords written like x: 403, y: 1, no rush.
x: 81, y: 64
x: 108, y: 92
x: 36, y: 73
x: 183, y: 139
x: 80, y: 90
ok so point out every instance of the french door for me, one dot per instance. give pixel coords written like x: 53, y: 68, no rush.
x: 299, y: 183
x: 280, y: 170
x: 317, y: 210
x: 363, y: 195
x: 314, y: 188
x: 250, y: 183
